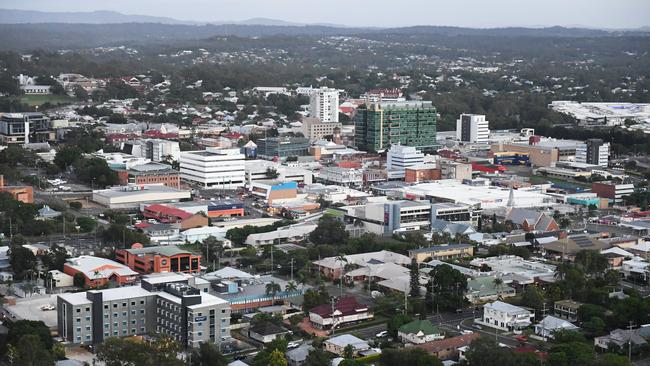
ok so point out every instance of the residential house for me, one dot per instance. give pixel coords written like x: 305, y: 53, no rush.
x: 331, y: 267
x: 484, y: 288
x: 550, y: 324
x: 337, y: 345
x: 419, y: 331
x: 505, y: 316
x: 567, y: 309
x: 448, y: 349
x: 266, y: 332
x: 620, y: 338
x: 346, y: 310
x: 297, y: 356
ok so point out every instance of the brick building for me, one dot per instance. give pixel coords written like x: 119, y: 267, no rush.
x: 168, y: 258
x: 150, y: 173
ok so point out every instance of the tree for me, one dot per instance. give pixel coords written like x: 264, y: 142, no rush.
x: 21, y: 328
x: 79, y: 280
x: 414, y: 279
x: 329, y: 231
x: 317, y: 357
x: 22, y: 260
x: 277, y: 358
x: 396, y: 322
x: 271, y: 173
x: 591, y: 262
x: 66, y: 156
x: 163, y: 350
x: 55, y: 258
x: 449, y: 286
x: 413, y: 356
x: 76, y: 205
x: 208, y: 355
x: 95, y: 172
x: 291, y: 287
x: 485, y: 352
x: 31, y: 351
x: 498, y: 284
x: 313, y: 298
x: 272, y: 289
x: 348, y: 351
x: 86, y: 224
x: 533, y: 298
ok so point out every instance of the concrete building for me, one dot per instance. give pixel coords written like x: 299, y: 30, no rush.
x: 379, y: 125
x: 399, y: 158
x: 472, y: 128
x: 567, y: 309
x: 153, y: 149
x: 150, y: 173
x: 506, y: 317
x: 168, y: 258
x: 314, y: 129
x: 385, y: 218
x: 324, y: 104
x: 272, y: 190
x: 214, y: 168
x: 594, y: 152
x: 285, y: 234
x: 282, y: 147
x: 23, y: 194
x: 341, y: 176
x: 612, y: 191
x: 265, y: 169
x: 442, y: 252
x: 187, y: 314
x: 132, y: 196
x: 450, y: 169
x: 24, y: 128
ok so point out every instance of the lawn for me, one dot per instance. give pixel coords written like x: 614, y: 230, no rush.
x: 37, y: 100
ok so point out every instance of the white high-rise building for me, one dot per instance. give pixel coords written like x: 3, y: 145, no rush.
x: 401, y: 157
x: 472, y: 128
x: 324, y: 104
x: 214, y: 168
x: 594, y: 152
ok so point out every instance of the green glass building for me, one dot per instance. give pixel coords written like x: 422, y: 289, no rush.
x: 410, y: 123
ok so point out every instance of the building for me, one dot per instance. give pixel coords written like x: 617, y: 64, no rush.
x: 420, y: 173
x: 99, y: 271
x: 341, y: 176
x: 419, y: 331
x: 442, y: 252
x: 60, y: 279
x: 214, y: 168
x: 286, y: 234
x: 384, y: 95
x: 594, y: 152
x: 550, y: 324
x: 345, y: 311
x: 324, y: 104
x: 161, y: 233
x: 168, y: 258
x: 314, y: 129
x: 153, y: 149
x: 24, y: 194
x: 567, y: 309
x: 187, y: 314
x: 331, y: 267
x: 448, y: 349
x: 379, y: 125
x: 338, y: 344
x: 620, y: 339
x: 612, y: 190
x: 511, y: 268
x: 482, y: 289
x: 472, y: 128
x: 529, y: 220
x: 506, y: 317
x: 399, y: 158
x: 454, y: 170
x: 271, y: 190
x: 385, y: 218
x: 567, y: 248
x: 298, y: 356
x: 150, y: 173
x: 602, y: 113
x: 25, y: 128
x: 132, y: 196
x: 265, y: 169
x: 172, y: 215
x: 282, y: 147
x: 267, y: 332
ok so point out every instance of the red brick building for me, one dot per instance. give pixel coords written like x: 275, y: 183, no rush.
x: 168, y: 258
x: 23, y: 194
x: 99, y: 271
x: 150, y: 173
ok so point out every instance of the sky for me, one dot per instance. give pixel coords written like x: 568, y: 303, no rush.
x: 380, y: 13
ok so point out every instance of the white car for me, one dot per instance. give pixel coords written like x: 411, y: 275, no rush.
x: 382, y: 334
x: 293, y: 345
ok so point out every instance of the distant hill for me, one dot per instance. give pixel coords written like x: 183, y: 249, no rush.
x: 11, y: 16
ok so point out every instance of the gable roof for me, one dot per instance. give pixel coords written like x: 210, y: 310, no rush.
x: 444, y: 344
x: 267, y: 328
x: 552, y: 323
x: 417, y: 326
x: 345, y: 306
x: 348, y: 339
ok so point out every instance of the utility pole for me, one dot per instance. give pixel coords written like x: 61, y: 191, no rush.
x: 332, y: 302
x: 629, y: 342
x: 292, y: 260
x: 272, y: 260
x: 318, y: 269
x: 406, y: 298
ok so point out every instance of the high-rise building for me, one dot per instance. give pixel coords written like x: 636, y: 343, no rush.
x: 23, y: 128
x: 214, y: 168
x: 472, y: 128
x: 401, y: 157
x: 594, y: 152
x: 324, y: 104
x: 379, y: 125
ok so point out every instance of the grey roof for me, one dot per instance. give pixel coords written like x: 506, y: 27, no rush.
x: 437, y: 248
x: 299, y: 354
x: 452, y: 228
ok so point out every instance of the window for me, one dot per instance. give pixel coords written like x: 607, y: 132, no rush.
x: 124, y: 304
x: 78, y: 329
x: 105, y: 307
x: 105, y: 316
x: 115, y: 315
x: 132, y: 303
x: 78, y: 320
x: 114, y: 306
x: 132, y: 330
x: 106, y: 334
x: 78, y: 310
x: 124, y: 313
x: 87, y: 309
x: 88, y: 327
x: 141, y: 311
x: 133, y: 312
x: 87, y: 318
x: 106, y: 325
x: 141, y: 302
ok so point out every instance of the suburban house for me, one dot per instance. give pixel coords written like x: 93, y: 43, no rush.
x: 505, y: 316
x: 419, y: 331
x: 567, y: 309
x: 297, y: 356
x: 620, y: 338
x: 448, y: 349
x: 266, y: 332
x: 346, y: 310
x: 550, y: 324
x: 336, y: 345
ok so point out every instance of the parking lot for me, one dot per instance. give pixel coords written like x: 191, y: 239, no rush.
x: 30, y: 308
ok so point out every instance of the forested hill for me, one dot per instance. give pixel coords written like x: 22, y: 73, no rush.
x: 75, y: 36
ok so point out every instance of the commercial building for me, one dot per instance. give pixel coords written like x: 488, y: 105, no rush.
x: 285, y: 234
x: 132, y: 196
x: 24, y: 128
x: 99, y: 271
x: 185, y: 313
x: 215, y: 208
x: 567, y: 248
x: 150, y: 173
x: 331, y: 267
x: 420, y: 173
x: 23, y: 194
x: 453, y: 212
x: 379, y: 125
x: 511, y: 268
x: 153, y: 149
x: 602, y: 114
x: 214, y: 168
x: 172, y: 215
x: 341, y: 176
x: 399, y: 158
x: 542, y: 152
x: 594, y: 152
x: 315, y: 129
x: 450, y: 169
x: 612, y: 190
x: 324, y: 104
x: 385, y: 218
x: 282, y: 147
x: 442, y: 252
x: 472, y: 128
x: 168, y: 258
x: 265, y: 169
x: 271, y: 190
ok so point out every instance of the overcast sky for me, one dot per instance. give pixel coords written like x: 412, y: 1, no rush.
x: 383, y: 13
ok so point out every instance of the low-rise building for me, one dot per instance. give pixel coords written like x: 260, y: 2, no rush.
x: 132, y: 196
x: 567, y: 309
x: 341, y: 176
x: 337, y: 345
x: 419, y: 331
x: 506, y: 317
x: 285, y: 234
x: 171, y: 215
x: 23, y: 194
x: 485, y: 288
x: 150, y: 173
x: 448, y: 349
x: 612, y: 191
x: 266, y: 332
x: 442, y: 252
x: 99, y: 271
x: 272, y: 190
x: 332, y: 267
x: 620, y: 339
x: 345, y: 311
x: 168, y: 258
x: 550, y: 325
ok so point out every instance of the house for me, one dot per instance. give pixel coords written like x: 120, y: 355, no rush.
x: 507, y: 317
x: 567, y: 309
x: 419, y: 331
x: 336, y: 345
x: 46, y: 213
x: 346, y: 310
x: 620, y: 338
x: 550, y: 324
x: 484, y: 288
x: 331, y: 267
x: 448, y: 349
x: 297, y: 356
x: 530, y: 220
x: 266, y: 332
x: 442, y: 252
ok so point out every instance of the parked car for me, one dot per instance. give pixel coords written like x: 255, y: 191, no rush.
x: 293, y: 345
x: 476, y: 326
x: 382, y: 334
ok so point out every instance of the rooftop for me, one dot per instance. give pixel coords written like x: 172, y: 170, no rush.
x: 165, y: 250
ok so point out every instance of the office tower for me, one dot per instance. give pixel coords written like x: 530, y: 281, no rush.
x: 472, y: 128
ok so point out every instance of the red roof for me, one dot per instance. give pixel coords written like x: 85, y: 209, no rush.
x: 168, y: 211
x: 232, y: 135
x: 454, y: 342
x: 347, y: 306
x: 142, y: 225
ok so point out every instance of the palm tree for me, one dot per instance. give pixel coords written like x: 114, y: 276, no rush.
x: 498, y: 284
x: 272, y: 289
x: 341, y: 259
x: 291, y: 287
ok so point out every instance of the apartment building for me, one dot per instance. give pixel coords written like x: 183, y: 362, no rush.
x: 324, y: 104
x: 24, y: 128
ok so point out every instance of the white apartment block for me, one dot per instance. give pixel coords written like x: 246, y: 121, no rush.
x: 324, y: 104
x: 506, y: 317
x: 401, y: 157
x: 472, y: 128
x: 214, y: 168
x: 594, y: 152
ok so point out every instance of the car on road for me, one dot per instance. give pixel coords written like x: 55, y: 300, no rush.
x: 476, y: 326
x: 382, y: 334
x: 466, y: 332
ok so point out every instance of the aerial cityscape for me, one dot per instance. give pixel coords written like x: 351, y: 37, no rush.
x: 252, y: 183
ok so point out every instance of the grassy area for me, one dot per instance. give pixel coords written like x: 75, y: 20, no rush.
x: 37, y: 100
